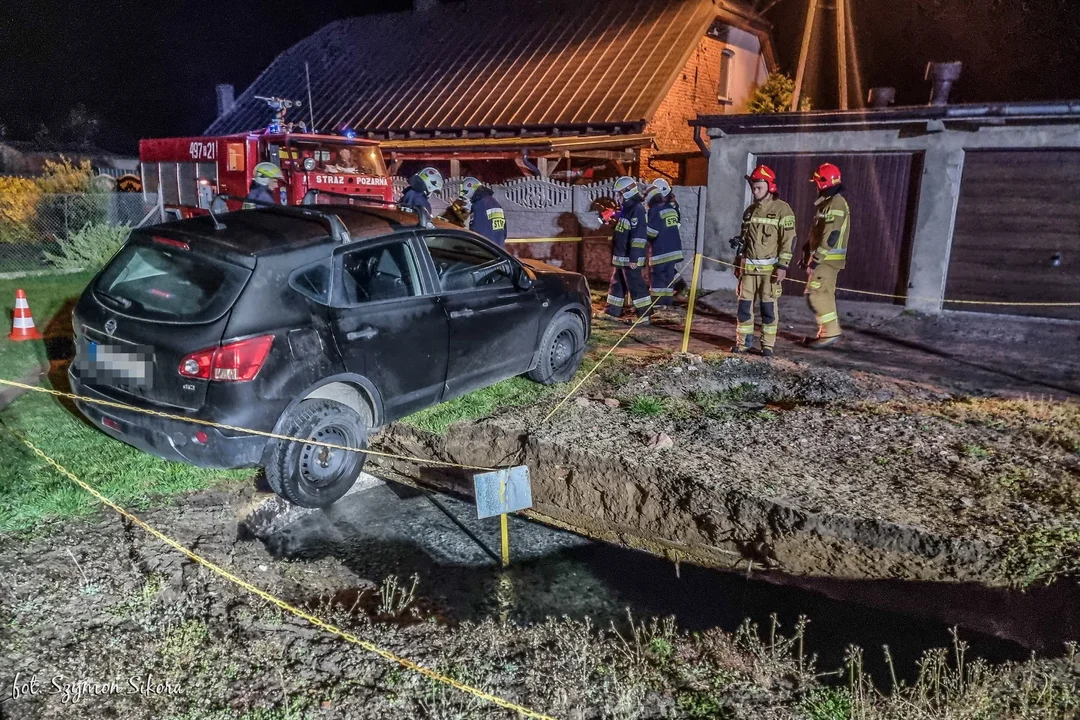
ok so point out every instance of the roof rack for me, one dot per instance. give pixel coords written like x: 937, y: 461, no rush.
x: 424, y: 219
x: 333, y: 223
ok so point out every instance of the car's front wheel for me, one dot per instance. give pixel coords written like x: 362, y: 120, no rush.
x: 561, y: 350
x: 314, y: 475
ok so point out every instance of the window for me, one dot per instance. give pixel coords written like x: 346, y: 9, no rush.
x: 723, y: 91
x: 462, y: 264
x: 385, y: 272
x: 236, y: 157
x: 313, y: 281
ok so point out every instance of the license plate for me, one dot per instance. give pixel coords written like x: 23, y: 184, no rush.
x: 115, y: 365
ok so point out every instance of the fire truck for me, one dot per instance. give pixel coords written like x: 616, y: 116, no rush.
x: 189, y: 172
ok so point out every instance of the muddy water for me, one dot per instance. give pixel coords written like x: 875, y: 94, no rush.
x: 389, y: 529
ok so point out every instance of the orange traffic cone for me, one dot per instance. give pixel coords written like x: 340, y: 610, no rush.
x: 23, y: 326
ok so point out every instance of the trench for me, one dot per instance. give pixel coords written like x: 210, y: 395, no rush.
x: 392, y: 529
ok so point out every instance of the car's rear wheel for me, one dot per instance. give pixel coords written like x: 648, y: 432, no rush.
x: 313, y: 475
x: 561, y: 350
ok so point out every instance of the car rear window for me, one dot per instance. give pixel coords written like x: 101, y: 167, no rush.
x: 167, y: 282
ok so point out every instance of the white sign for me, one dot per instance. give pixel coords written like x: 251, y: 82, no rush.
x: 203, y: 150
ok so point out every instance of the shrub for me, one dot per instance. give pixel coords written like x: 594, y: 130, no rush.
x: 775, y: 96
x: 18, y: 204
x: 90, y: 247
x: 65, y: 178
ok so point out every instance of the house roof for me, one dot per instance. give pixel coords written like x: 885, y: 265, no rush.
x: 490, y: 67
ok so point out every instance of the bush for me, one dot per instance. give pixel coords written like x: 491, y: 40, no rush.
x: 90, y: 247
x: 775, y: 96
x: 65, y: 178
x: 18, y: 204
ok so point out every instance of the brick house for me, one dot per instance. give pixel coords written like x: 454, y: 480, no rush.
x: 576, y: 90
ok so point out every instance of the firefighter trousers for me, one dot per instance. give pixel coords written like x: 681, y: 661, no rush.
x: 821, y: 294
x: 762, y: 290
x: 662, y: 281
x: 625, y: 281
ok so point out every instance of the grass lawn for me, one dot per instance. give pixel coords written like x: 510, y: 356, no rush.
x: 46, y: 295
x: 32, y: 491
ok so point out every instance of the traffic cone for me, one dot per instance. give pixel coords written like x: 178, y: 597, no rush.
x: 22, y: 327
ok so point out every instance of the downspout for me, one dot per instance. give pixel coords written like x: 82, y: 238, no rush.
x: 652, y: 167
x: 702, y: 145
x: 528, y: 163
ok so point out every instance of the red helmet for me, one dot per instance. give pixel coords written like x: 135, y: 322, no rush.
x: 826, y: 176
x: 765, y: 174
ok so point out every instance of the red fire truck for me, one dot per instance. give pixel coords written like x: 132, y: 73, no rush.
x: 189, y: 172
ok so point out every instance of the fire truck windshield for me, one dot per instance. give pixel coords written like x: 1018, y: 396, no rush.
x: 331, y: 158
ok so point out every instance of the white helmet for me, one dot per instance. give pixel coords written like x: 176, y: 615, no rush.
x: 660, y: 187
x: 627, y: 188
x: 432, y: 179
x: 469, y: 186
x: 265, y: 172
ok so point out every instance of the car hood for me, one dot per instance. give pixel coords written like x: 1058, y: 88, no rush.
x: 542, y: 268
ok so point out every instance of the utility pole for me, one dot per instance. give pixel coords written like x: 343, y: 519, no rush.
x: 800, y: 75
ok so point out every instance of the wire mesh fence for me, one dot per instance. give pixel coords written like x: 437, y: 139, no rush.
x: 33, y: 225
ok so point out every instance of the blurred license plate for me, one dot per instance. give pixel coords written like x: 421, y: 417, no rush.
x: 119, y: 365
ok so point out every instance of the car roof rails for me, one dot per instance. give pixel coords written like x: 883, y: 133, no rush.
x: 333, y: 223
x: 311, y: 198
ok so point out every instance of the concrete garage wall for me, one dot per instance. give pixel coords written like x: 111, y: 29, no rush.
x: 538, y: 208
x: 943, y: 150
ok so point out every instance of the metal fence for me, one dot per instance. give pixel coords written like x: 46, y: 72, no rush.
x: 32, y: 224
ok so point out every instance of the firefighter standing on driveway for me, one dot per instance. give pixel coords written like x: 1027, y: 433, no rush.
x: 487, y: 216
x: 767, y: 244
x: 628, y: 252
x: 826, y: 254
x: 264, y: 184
x: 663, y: 234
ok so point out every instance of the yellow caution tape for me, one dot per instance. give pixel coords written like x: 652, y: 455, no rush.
x: 233, y: 428
x: 544, y: 240
x: 933, y: 300
x: 370, y: 647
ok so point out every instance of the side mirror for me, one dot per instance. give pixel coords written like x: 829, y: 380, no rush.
x: 522, y: 281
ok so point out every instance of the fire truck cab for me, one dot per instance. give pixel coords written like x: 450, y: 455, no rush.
x: 189, y: 172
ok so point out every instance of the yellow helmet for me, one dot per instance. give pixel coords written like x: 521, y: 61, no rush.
x: 267, y: 171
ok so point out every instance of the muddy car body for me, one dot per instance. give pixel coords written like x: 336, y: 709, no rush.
x: 308, y: 324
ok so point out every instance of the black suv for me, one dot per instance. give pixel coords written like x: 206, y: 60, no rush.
x: 310, y: 323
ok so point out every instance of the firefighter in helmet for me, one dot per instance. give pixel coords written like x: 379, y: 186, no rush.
x: 487, y: 218
x: 826, y: 253
x: 663, y: 235
x: 765, y: 247
x: 628, y: 245
x: 264, y: 184
x: 421, y: 185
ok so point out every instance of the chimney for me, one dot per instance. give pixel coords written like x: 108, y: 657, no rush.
x: 881, y: 97
x: 943, y: 75
x: 226, y: 98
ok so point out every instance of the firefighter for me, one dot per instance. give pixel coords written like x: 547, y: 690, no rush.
x: 487, y: 216
x: 628, y: 244
x: 767, y: 243
x: 663, y: 234
x: 421, y: 185
x: 264, y: 184
x: 826, y: 253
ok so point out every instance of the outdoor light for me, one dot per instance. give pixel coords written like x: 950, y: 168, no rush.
x: 349, y: 133
x: 309, y: 164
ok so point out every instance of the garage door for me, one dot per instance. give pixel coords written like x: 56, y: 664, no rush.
x: 879, y: 188
x: 1017, y: 236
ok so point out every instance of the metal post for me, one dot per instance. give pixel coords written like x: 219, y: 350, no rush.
x: 841, y: 51
x: 505, y: 540
x: 693, y: 299
x: 801, y: 73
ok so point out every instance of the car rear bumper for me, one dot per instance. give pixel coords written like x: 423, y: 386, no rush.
x: 167, y: 438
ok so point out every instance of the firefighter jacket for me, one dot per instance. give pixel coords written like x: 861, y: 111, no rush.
x: 413, y: 199
x: 663, y: 232
x: 488, y: 218
x: 829, y: 237
x: 258, y: 193
x: 768, y: 234
x: 631, y: 235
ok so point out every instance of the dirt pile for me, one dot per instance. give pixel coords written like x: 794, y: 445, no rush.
x: 807, y: 470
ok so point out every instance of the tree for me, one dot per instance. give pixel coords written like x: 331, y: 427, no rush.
x: 775, y: 96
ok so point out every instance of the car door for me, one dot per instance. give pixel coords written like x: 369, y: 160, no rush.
x: 388, y: 323
x: 493, y: 324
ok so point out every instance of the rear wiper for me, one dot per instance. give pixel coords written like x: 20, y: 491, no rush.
x: 122, y: 302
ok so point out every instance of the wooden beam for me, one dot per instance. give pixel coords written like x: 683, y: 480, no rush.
x: 841, y: 51
x: 800, y: 74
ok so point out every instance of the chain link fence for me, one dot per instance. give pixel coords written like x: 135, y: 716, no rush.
x: 33, y: 224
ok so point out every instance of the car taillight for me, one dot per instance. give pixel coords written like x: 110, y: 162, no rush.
x: 238, y: 361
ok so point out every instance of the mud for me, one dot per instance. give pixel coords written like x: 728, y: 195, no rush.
x: 786, y: 466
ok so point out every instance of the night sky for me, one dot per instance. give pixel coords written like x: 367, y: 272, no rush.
x: 149, y: 70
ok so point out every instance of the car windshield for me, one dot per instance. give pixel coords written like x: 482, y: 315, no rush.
x: 345, y: 159
x: 152, y: 282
